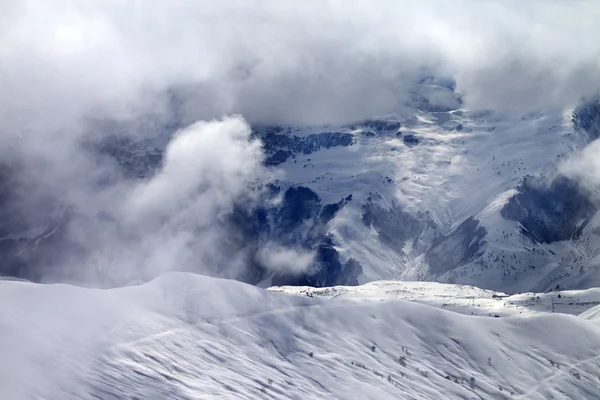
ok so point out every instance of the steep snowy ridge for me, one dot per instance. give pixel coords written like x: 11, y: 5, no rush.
x: 185, y: 336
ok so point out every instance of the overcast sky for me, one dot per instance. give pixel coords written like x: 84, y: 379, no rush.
x: 300, y: 62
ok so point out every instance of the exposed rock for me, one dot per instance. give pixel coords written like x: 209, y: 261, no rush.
x: 280, y: 147
x: 394, y: 226
x: 377, y: 126
x: 410, y: 140
x: 298, y: 221
x: 549, y: 211
x: 458, y: 248
x: 327, y: 270
x: 586, y: 118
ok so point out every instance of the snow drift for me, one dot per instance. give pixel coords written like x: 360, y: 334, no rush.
x: 184, y: 336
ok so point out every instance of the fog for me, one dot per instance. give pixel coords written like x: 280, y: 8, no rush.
x: 584, y: 167
x: 66, y: 67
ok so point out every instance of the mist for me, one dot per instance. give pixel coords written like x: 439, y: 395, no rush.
x: 66, y: 68
x: 584, y: 167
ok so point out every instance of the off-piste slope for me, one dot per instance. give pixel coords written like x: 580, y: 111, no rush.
x: 183, y: 336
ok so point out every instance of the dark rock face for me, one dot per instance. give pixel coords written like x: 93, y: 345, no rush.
x: 243, y: 228
x: 299, y: 203
x: 329, y: 270
x: 329, y: 210
x: 549, y: 212
x: 280, y: 144
x: 279, y: 147
x: 297, y: 222
x: 380, y: 126
x: 278, y: 157
x: 394, y: 226
x: 410, y: 140
x: 458, y: 248
x: 586, y: 118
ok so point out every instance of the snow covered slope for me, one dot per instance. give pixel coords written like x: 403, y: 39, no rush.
x: 452, y: 195
x: 186, y: 336
x: 462, y: 299
x: 435, y: 192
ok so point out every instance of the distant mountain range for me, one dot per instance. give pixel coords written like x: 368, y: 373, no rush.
x: 435, y: 193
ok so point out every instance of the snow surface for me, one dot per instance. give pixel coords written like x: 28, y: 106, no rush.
x: 184, y: 336
x: 467, y: 164
x: 462, y: 299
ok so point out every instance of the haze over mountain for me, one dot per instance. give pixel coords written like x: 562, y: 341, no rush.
x: 317, y: 144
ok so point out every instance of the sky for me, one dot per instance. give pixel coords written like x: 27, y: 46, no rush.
x: 238, y: 62
x: 270, y: 61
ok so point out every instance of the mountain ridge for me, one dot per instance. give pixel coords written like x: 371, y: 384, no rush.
x: 469, y: 197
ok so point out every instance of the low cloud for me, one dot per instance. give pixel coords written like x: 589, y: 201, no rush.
x: 206, y: 165
x: 77, y: 73
x: 169, y: 221
x: 318, y: 62
x: 286, y: 260
x: 584, y: 166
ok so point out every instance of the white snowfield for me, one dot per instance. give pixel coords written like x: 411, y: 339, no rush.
x: 452, y: 174
x: 462, y: 299
x: 184, y: 336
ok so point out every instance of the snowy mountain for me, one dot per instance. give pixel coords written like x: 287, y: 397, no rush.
x: 433, y: 193
x: 442, y: 194
x: 457, y: 196
x: 185, y: 336
x: 299, y: 200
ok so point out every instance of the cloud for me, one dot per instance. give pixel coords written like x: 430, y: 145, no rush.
x: 137, y: 229
x: 206, y: 165
x: 318, y: 62
x: 285, y: 260
x: 584, y: 166
x: 76, y: 73
x: 174, y: 215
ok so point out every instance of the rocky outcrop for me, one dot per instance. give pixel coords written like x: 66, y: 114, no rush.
x: 279, y: 147
x: 549, y: 211
x: 410, y: 140
x: 461, y: 246
x: 298, y: 222
x: 393, y: 225
x: 586, y: 118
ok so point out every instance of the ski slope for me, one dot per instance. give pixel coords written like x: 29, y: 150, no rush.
x: 184, y: 336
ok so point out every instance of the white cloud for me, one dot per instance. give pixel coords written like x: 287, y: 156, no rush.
x: 271, y: 61
x: 206, y: 165
x: 64, y: 63
x: 585, y: 167
x: 138, y: 229
x: 284, y: 259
